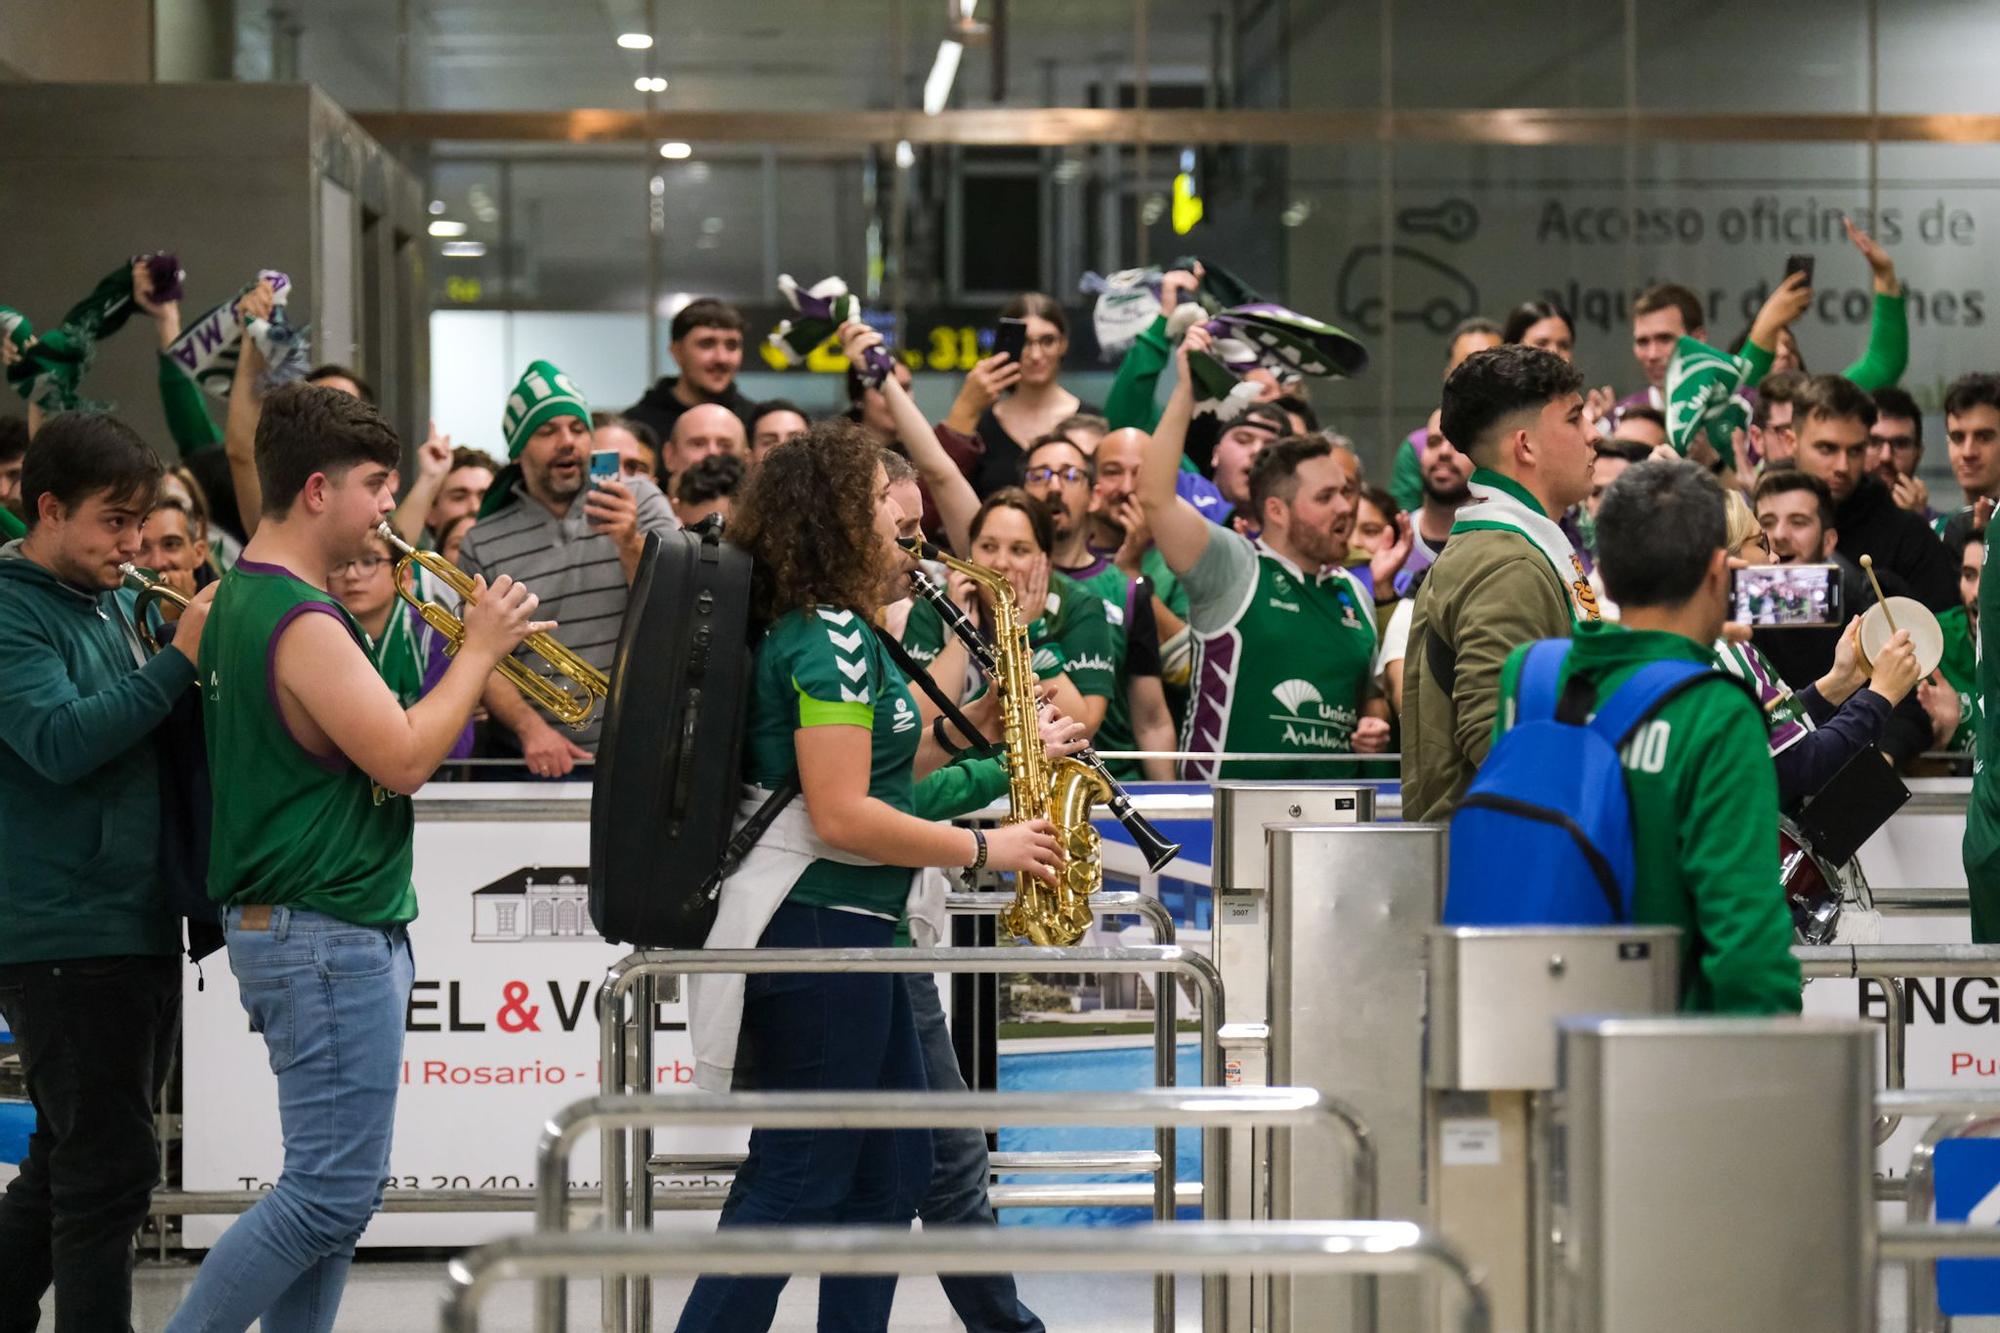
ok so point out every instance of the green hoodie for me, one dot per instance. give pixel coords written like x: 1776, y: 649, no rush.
x: 79, y: 774
x: 1704, y: 823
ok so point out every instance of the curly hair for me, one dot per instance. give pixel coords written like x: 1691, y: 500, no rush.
x: 807, y: 516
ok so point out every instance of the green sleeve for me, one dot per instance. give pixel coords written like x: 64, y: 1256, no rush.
x: 1727, y: 804
x: 1130, y: 401
x: 1510, y: 677
x: 10, y: 526
x: 923, y: 633
x: 1166, y: 584
x: 64, y: 735
x: 827, y: 656
x: 960, y: 787
x: 188, y: 421
x: 1406, y: 478
x: 1888, y: 354
x: 1089, y: 647
x: 1758, y: 360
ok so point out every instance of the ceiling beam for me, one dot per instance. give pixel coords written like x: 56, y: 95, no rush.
x: 1073, y: 126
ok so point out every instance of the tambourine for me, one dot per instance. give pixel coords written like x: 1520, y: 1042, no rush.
x: 1926, y: 635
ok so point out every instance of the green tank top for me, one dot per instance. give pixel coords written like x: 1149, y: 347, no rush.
x: 290, y: 828
x: 1288, y: 671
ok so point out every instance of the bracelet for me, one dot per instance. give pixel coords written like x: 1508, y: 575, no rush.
x: 979, y: 851
x: 937, y: 734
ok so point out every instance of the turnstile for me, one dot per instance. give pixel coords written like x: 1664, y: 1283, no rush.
x: 1495, y: 997
x: 1350, y: 908
x: 1713, y: 1174
x: 1241, y: 921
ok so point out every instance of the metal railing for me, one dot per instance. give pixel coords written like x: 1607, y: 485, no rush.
x: 1843, y: 961
x: 636, y: 974
x: 1366, y: 1249
x: 1207, y: 1108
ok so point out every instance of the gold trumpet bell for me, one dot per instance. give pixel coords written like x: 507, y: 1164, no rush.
x: 573, y: 703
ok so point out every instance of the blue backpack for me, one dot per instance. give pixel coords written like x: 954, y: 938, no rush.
x: 1544, y: 834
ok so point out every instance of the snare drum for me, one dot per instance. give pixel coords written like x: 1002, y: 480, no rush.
x: 1815, y: 889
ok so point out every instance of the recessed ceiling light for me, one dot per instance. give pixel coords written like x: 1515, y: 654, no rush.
x: 674, y: 150
x: 437, y: 207
x: 652, y: 84
x: 442, y: 227
x: 463, y: 249
x: 636, y: 41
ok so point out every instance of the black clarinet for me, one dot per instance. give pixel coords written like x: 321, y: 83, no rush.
x: 1152, y: 844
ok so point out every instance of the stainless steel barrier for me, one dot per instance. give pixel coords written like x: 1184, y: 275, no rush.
x: 1367, y: 1249
x: 1220, y: 1108
x: 1844, y: 961
x: 635, y: 975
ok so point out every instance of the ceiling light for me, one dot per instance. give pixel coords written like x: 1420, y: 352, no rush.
x: 463, y: 249
x: 445, y: 228
x: 906, y: 156
x: 437, y: 207
x: 652, y: 84
x: 937, y: 87
x: 674, y: 150
x: 636, y: 41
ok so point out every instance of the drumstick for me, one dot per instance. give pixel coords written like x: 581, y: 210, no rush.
x: 1868, y: 568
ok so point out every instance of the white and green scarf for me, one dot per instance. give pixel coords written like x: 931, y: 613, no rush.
x: 1703, y: 388
x: 1499, y: 503
x: 208, y: 349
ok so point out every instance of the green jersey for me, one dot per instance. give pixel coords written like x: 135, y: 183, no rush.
x: 1981, y: 847
x: 290, y: 827
x: 1284, y: 660
x: 1704, y: 801
x: 1960, y: 665
x: 821, y: 668
x: 1073, y: 636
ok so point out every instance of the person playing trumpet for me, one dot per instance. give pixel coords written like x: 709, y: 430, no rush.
x: 311, y: 849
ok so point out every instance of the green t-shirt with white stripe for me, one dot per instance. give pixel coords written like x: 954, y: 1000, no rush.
x: 820, y: 668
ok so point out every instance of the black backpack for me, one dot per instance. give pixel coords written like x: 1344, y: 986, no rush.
x: 669, y: 757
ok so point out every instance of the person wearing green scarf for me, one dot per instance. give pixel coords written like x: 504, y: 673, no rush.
x: 574, y: 542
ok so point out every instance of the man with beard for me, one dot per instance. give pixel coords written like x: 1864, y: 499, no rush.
x: 1509, y: 575
x: 1445, y: 474
x: 578, y: 557
x: 706, y: 340
x: 1285, y: 637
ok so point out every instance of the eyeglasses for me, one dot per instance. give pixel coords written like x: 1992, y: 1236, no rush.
x: 365, y: 566
x: 1067, y: 474
x: 1048, y: 342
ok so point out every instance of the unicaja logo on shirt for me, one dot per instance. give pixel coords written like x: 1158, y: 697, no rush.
x: 905, y: 717
x: 1309, y: 720
x: 1090, y: 663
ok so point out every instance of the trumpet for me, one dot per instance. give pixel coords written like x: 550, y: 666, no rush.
x: 151, y: 590
x: 574, y: 703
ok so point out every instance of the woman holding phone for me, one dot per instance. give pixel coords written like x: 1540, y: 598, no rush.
x: 1008, y: 399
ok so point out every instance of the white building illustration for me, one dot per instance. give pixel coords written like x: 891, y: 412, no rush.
x: 534, y: 903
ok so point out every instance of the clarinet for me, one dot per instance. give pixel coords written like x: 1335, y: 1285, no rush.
x: 1152, y: 844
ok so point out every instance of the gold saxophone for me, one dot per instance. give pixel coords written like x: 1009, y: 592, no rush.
x: 1061, y: 793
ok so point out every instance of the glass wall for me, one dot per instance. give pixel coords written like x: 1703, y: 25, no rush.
x: 1437, y: 161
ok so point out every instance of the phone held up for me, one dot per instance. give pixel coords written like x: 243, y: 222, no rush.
x: 603, y: 466
x: 1788, y: 597
x: 1011, y: 336
x: 1800, y: 264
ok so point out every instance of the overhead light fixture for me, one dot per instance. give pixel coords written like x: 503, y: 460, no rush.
x: 652, y: 84
x: 437, y: 207
x: 443, y: 227
x: 906, y: 156
x: 937, y: 86
x: 674, y: 150
x: 962, y: 24
x: 463, y: 249
x: 636, y: 41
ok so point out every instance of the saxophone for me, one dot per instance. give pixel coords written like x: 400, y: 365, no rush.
x: 1062, y: 792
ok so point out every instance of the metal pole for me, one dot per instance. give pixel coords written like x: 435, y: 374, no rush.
x: 1333, y: 1248
x: 646, y: 993
x: 1937, y: 1240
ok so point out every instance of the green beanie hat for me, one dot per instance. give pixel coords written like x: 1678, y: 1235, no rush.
x: 543, y: 394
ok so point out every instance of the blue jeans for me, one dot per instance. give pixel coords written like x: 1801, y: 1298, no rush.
x: 329, y: 998
x: 985, y: 1302
x: 815, y: 1032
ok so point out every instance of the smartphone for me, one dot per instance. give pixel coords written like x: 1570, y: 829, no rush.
x: 1788, y: 597
x: 603, y: 465
x: 1011, y: 336
x: 1800, y: 264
